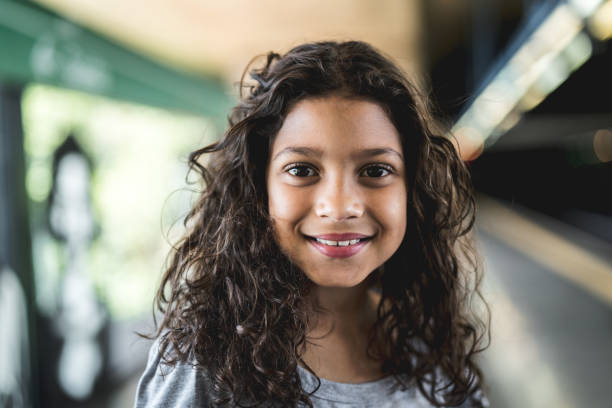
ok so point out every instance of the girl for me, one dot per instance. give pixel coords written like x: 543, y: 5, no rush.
x: 326, y: 263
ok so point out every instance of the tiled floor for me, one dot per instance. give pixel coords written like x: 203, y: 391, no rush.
x: 552, y: 338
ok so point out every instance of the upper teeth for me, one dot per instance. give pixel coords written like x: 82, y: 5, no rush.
x: 338, y: 243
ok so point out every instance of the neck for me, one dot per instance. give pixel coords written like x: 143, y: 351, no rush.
x: 342, y: 310
x: 337, y: 341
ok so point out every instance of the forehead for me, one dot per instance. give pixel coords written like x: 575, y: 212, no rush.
x: 336, y: 121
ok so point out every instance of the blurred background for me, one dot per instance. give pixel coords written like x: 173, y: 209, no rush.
x: 101, y: 103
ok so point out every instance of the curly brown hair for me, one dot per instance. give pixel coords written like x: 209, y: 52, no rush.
x: 234, y: 303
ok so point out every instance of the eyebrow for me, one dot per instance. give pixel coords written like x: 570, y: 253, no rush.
x: 315, y: 152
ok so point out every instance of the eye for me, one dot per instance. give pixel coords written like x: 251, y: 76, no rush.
x: 376, y: 170
x: 301, y: 170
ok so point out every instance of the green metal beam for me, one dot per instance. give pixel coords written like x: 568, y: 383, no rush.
x: 40, y: 46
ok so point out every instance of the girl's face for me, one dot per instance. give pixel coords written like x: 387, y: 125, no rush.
x: 337, y: 189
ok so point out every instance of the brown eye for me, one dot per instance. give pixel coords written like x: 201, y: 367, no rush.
x: 302, y: 171
x: 376, y: 171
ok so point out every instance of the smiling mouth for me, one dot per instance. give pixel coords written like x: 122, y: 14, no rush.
x: 340, y: 243
x: 341, y: 248
x: 332, y: 243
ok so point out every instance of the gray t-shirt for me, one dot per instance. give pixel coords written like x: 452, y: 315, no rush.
x: 184, y: 385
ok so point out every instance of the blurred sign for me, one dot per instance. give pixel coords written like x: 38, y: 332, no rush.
x: 40, y: 46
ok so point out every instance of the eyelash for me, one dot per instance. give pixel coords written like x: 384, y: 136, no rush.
x: 295, y: 166
x: 383, y: 166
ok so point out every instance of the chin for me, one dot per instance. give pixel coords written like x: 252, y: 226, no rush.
x: 338, y: 281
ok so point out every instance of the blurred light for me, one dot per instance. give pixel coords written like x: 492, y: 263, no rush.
x: 470, y: 143
x: 490, y: 110
x: 578, y: 51
x: 585, y: 7
x: 542, y: 63
x: 70, y: 214
x: 508, y: 123
x: 602, y: 145
x: 38, y: 181
x: 533, y: 60
x: 600, y: 23
x: 532, y: 98
x: 80, y: 361
x: 554, y: 75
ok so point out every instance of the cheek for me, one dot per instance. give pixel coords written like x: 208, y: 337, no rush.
x: 285, y: 204
x: 391, y: 212
x: 287, y: 208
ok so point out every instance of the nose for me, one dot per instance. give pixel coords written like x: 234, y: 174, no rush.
x: 338, y: 199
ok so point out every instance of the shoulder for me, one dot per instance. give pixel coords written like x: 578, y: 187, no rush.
x: 180, y: 385
x: 476, y: 398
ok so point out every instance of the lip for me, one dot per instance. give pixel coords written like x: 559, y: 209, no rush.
x: 340, y: 251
